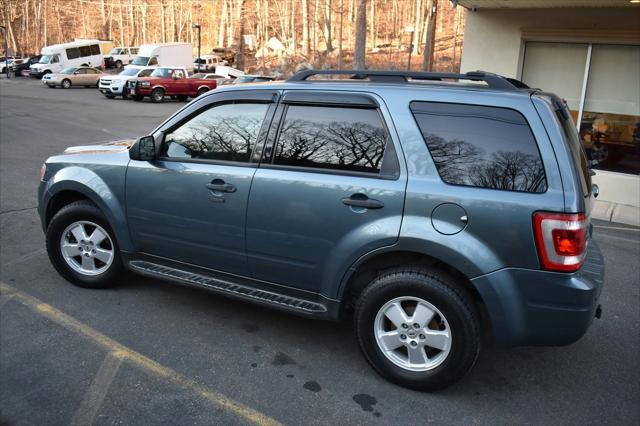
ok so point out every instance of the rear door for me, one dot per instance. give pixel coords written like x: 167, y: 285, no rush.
x: 329, y: 189
x: 190, y: 204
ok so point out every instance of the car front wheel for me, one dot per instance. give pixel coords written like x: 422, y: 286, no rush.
x: 82, y: 247
x: 418, y: 328
x: 66, y: 83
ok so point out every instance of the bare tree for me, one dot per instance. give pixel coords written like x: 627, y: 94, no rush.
x: 361, y: 34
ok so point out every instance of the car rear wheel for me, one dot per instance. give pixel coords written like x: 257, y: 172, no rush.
x: 201, y: 91
x: 157, y: 95
x: 66, y: 83
x: 418, y: 328
x: 82, y: 247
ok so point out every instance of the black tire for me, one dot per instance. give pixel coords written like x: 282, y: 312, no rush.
x: 201, y: 91
x: 450, y: 299
x: 157, y: 95
x: 109, y: 95
x: 81, y: 211
x: 137, y: 98
x: 125, y: 93
x: 182, y: 98
x: 66, y: 83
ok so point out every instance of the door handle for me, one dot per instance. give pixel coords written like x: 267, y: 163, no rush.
x: 361, y: 200
x: 221, y: 186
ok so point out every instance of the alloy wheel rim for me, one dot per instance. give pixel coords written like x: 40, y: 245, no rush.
x: 87, y: 248
x: 412, y: 333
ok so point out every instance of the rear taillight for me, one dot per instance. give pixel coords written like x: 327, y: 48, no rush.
x: 561, y: 239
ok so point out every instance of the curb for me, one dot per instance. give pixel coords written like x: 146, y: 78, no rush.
x: 618, y: 213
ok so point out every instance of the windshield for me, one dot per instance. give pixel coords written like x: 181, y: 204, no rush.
x: 140, y: 60
x: 116, y: 51
x: 161, y: 72
x: 45, y: 59
x: 130, y: 71
x: 68, y: 70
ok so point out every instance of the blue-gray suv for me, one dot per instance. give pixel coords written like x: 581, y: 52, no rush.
x: 425, y: 206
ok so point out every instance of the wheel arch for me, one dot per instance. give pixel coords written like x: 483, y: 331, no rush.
x: 363, y: 271
x: 86, y: 185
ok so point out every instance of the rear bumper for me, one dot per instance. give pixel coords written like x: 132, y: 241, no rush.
x: 533, y: 307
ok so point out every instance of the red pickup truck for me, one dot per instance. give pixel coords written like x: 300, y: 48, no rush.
x: 169, y: 81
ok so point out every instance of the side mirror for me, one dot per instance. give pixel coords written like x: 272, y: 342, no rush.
x: 76, y: 72
x: 144, y: 149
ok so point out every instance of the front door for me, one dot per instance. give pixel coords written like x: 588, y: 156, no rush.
x: 190, y: 204
x: 331, y: 191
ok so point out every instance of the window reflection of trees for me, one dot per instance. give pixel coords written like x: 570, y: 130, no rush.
x: 344, y: 145
x: 219, y: 136
x: 459, y: 162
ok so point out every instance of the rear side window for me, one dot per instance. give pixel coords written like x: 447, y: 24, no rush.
x: 85, y: 51
x: 73, y: 53
x: 95, y: 49
x: 481, y: 146
x: 347, y: 139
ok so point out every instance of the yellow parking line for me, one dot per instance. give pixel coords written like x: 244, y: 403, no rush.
x: 93, y: 399
x: 136, y: 358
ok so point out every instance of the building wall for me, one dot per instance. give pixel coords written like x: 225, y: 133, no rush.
x: 494, y: 41
x: 493, y: 37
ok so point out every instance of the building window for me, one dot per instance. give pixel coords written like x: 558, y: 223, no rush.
x: 601, y: 84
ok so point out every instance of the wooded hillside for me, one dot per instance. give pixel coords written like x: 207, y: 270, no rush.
x: 320, y: 33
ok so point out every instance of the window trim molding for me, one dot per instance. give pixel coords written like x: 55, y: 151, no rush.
x: 257, y: 146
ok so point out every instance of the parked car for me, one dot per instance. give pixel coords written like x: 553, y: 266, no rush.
x: 169, y: 81
x: 428, y: 211
x: 74, y: 76
x: 220, y: 79
x: 247, y: 78
x: 112, y: 86
x: 164, y: 55
x: 22, y: 69
x: 7, y: 62
x: 119, y: 57
x: 208, y: 63
x: 55, y: 58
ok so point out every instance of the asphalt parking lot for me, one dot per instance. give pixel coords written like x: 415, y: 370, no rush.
x: 149, y: 352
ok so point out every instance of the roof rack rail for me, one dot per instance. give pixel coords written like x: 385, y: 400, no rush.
x: 494, y: 81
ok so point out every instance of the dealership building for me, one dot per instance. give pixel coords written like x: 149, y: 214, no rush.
x: 586, y: 51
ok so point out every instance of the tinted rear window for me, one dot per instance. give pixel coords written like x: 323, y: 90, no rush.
x: 577, y: 151
x: 481, y: 146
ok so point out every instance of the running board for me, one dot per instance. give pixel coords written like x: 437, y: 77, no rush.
x: 278, y: 300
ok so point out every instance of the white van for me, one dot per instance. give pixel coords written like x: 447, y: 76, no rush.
x: 165, y: 55
x: 57, y: 57
x: 120, y: 56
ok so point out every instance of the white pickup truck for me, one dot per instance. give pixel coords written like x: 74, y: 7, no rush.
x: 119, y: 57
x: 116, y: 85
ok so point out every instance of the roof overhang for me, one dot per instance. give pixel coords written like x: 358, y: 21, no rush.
x: 521, y: 4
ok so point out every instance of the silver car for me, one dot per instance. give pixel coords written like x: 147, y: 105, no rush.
x: 74, y: 76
